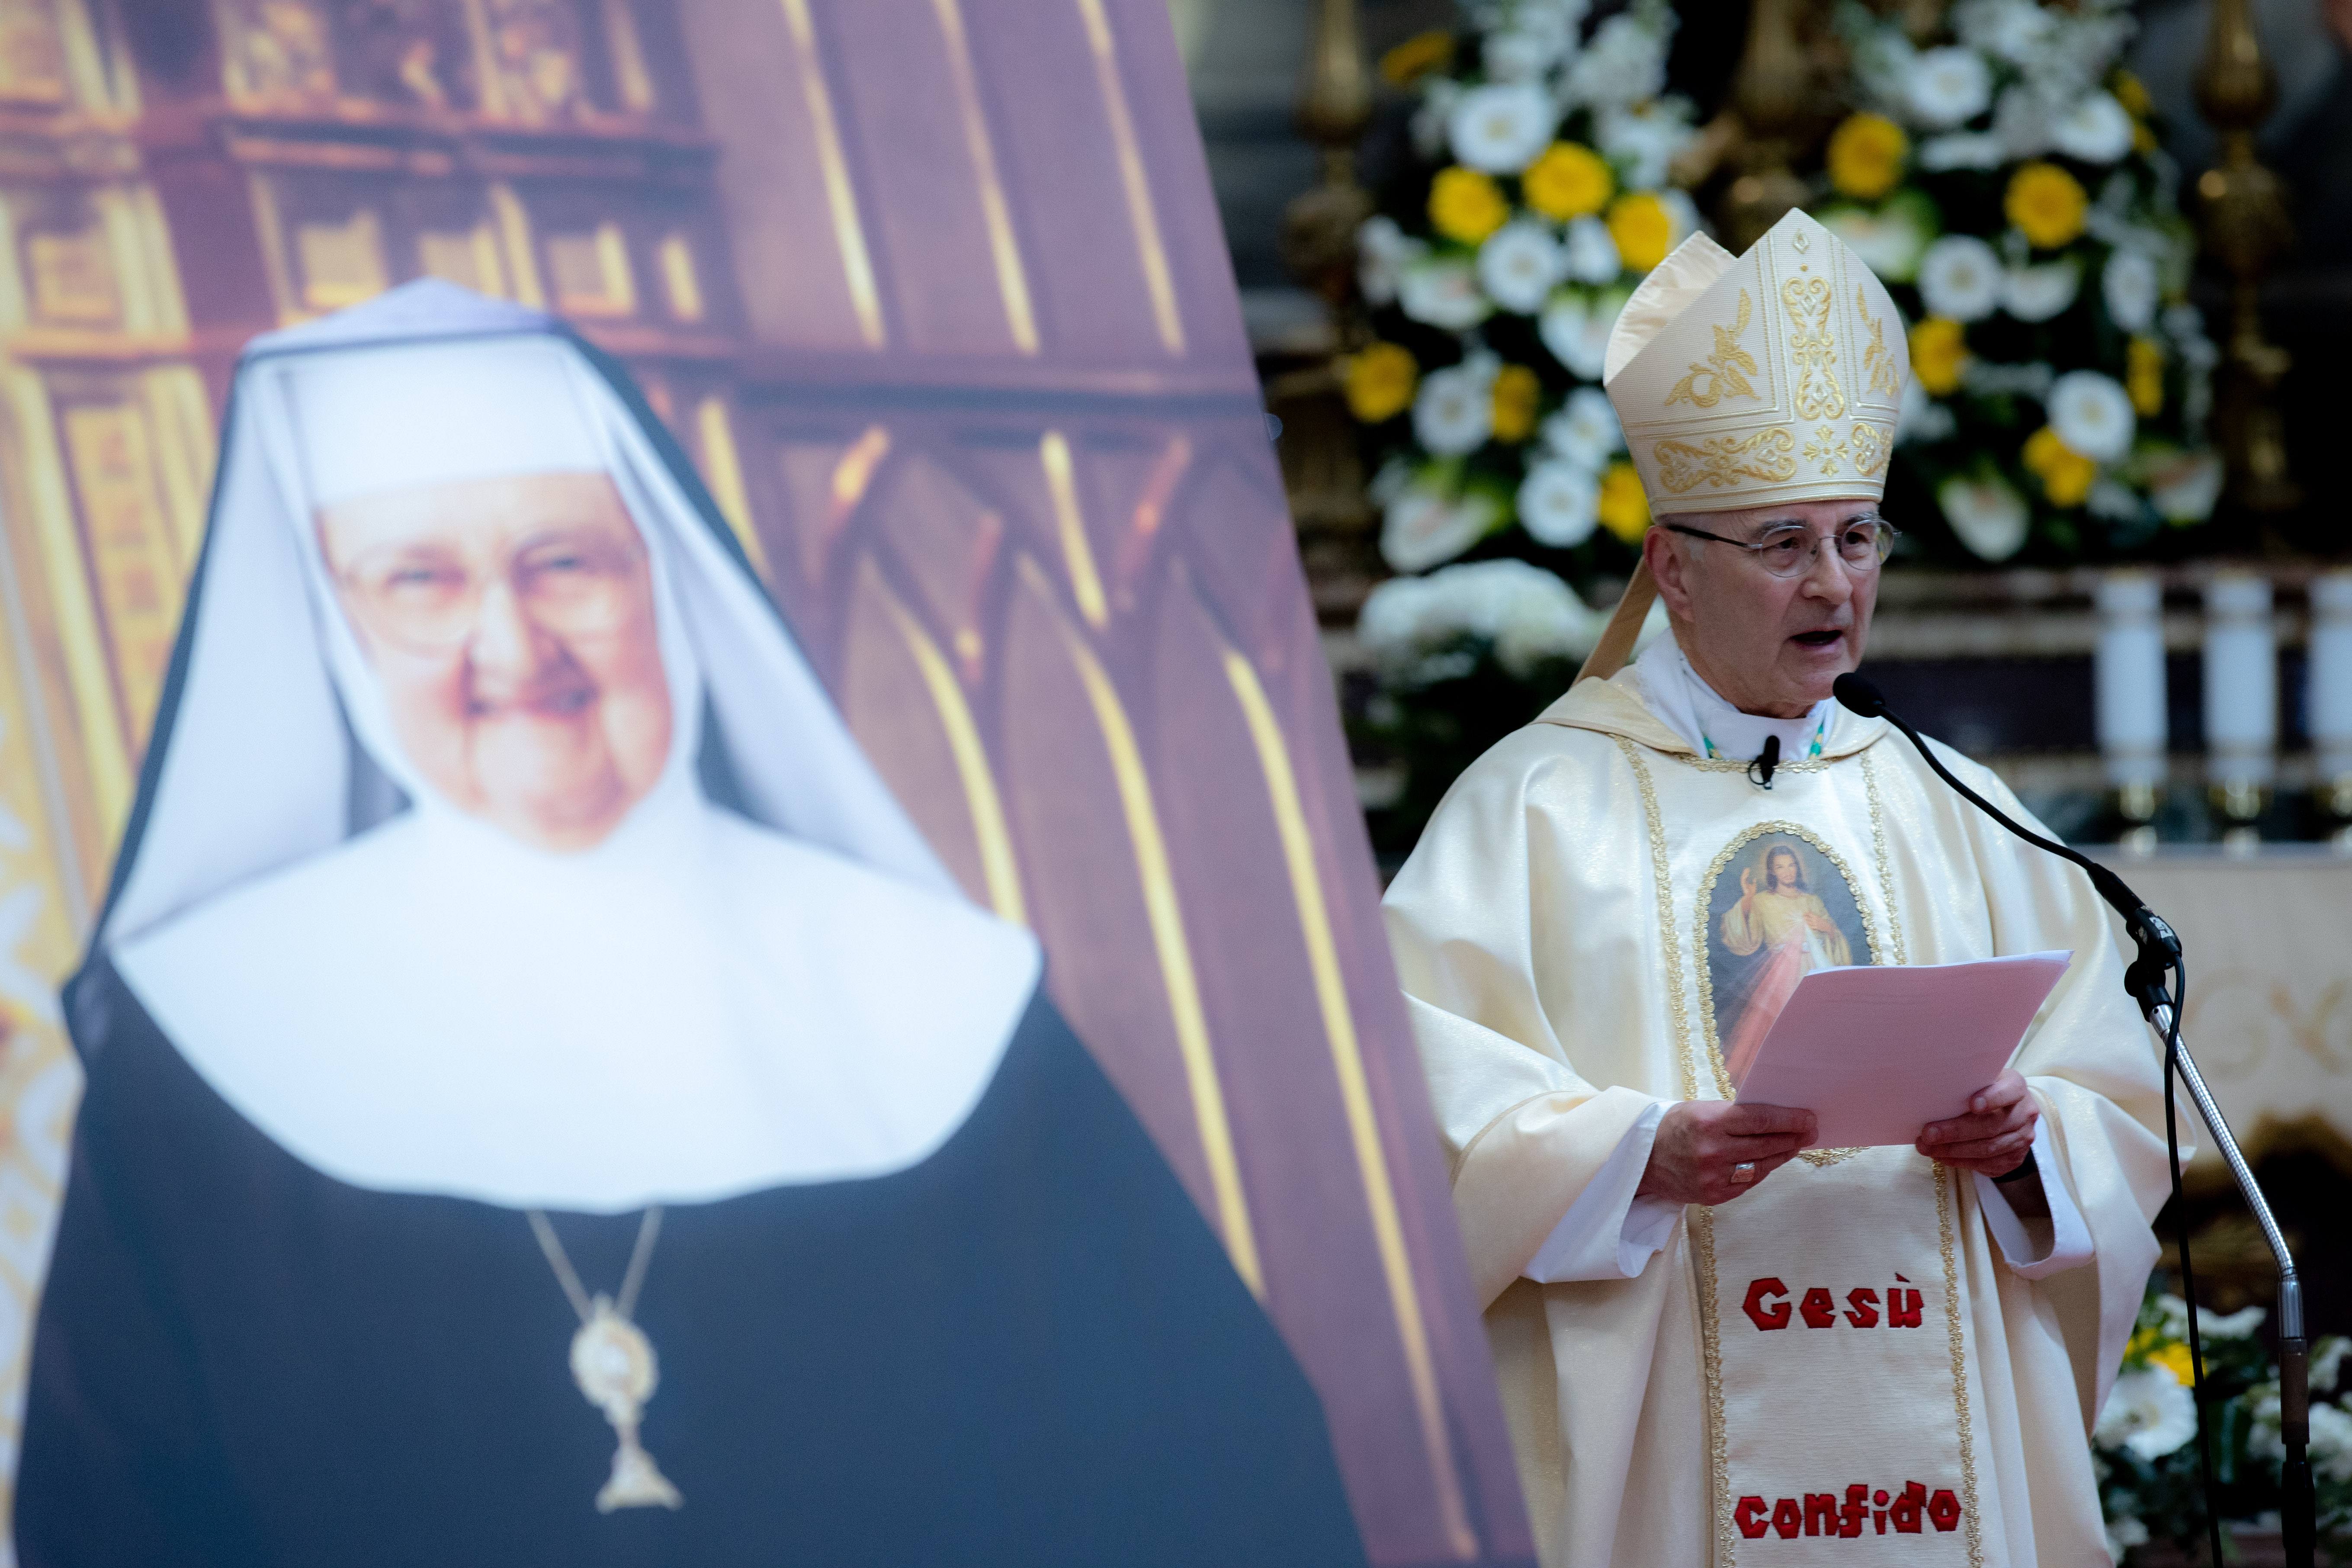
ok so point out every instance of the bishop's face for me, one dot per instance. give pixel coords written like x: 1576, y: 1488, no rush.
x: 511, y: 624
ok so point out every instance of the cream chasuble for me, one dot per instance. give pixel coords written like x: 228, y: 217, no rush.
x: 1841, y: 1366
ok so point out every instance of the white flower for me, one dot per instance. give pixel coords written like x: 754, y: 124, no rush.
x: 2038, y: 293
x: 2115, y: 502
x: 1575, y: 327
x: 2016, y: 30
x: 1961, y: 277
x: 1501, y: 127
x: 1382, y: 252
x: 1453, y: 412
x: 1591, y: 252
x: 1624, y: 64
x: 1529, y: 615
x: 2238, y: 1325
x: 1922, y: 419
x: 2129, y: 283
x: 1518, y: 265
x: 1988, y: 515
x: 1890, y: 241
x: 1945, y: 87
x: 2185, y: 489
x: 1516, y: 55
x: 2092, y: 414
x: 1961, y: 150
x: 2148, y: 1413
x: 1443, y: 293
x: 2096, y: 130
x: 1560, y: 503
x: 2022, y: 121
x: 1424, y: 527
x: 2331, y: 1442
x: 2125, y: 1533
x: 1585, y: 431
x: 1434, y: 115
x: 1641, y: 142
x: 2327, y: 1360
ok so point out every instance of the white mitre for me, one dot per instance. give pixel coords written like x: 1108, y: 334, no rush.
x: 1771, y: 377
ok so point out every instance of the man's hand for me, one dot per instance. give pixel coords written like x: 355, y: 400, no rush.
x: 1996, y: 1134
x: 1700, y: 1141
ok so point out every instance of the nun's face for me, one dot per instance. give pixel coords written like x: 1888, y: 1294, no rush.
x: 511, y: 623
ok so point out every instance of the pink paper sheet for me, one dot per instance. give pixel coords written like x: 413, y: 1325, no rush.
x: 1879, y: 1052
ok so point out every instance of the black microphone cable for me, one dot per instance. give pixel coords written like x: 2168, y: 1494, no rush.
x: 2157, y: 946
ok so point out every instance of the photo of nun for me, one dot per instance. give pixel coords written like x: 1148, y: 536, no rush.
x: 545, y: 1101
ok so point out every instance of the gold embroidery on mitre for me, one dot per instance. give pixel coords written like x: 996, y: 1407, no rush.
x: 1877, y: 361
x: 1722, y: 370
x: 1724, y: 461
x: 1872, y: 446
x: 1819, y: 395
x: 1827, y: 451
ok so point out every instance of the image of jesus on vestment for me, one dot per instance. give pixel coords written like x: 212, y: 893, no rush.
x: 1776, y: 914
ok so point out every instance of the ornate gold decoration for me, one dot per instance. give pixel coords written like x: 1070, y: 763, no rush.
x: 1710, y: 1333
x: 1813, y: 348
x: 1871, y: 448
x: 614, y: 1364
x: 1723, y: 369
x: 1142, y: 214
x: 1724, y: 461
x: 1827, y: 451
x: 1663, y: 876
x: 1877, y: 364
x: 1946, y: 1180
x: 2244, y: 215
x: 1885, y: 867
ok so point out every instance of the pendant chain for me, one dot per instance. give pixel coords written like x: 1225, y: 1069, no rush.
x: 625, y: 1305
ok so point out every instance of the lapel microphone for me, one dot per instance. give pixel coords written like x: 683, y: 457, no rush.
x: 1759, y: 772
x: 2159, y: 955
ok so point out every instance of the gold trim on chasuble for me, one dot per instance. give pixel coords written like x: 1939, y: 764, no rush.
x: 1885, y: 932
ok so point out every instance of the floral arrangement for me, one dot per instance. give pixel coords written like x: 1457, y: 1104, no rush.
x: 2143, y: 1448
x: 2007, y: 188
x: 1495, y: 272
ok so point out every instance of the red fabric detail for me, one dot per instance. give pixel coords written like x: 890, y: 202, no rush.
x: 1907, y: 1507
x: 1757, y: 1313
x: 1855, y: 1510
x: 1820, y: 1311
x: 1865, y: 1304
x: 1786, y: 1519
x: 1944, y: 1509
x: 1902, y: 1309
x: 1820, y: 1508
x: 1749, y: 1517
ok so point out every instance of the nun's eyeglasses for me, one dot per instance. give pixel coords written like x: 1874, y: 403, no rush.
x: 431, y: 600
x: 1791, y: 550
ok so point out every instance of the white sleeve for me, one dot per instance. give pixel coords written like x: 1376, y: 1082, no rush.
x: 1608, y: 1233
x: 2070, y: 1237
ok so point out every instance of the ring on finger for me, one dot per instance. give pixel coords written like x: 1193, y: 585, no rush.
x: 1743, y: 1172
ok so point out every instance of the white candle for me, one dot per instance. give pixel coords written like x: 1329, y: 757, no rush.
x: 2127, y: 675
x: 2329, y: 687
x: 2240, y: 681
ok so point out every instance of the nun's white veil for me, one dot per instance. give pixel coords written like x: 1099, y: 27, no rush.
x: 705, y: 1004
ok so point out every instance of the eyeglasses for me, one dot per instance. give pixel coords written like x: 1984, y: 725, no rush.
x: 431, y: 599
x: 1791, y: 550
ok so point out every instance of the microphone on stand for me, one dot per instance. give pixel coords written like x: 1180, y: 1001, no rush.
x: 2159, y: 954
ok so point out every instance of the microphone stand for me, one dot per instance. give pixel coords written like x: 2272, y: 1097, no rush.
x: 2159, y: 954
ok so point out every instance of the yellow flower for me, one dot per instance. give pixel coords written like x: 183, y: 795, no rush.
x: 1939, y: 351
x: 1466, y: 204
x: 2066, y: 475
x: 1643, y: 230
x: 1417, y: 56
x: 1380, y: 380
x: 2132, y: 94
x: 1866, y: 157
x: 1516, y: 391
x: 2144, y: 376
x: 2046, y: 203
x: 1624, y: 510
x: 1568, y: 181
x: 2175, y: 1355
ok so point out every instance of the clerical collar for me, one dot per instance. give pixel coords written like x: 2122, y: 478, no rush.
x: 1691, y: 709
